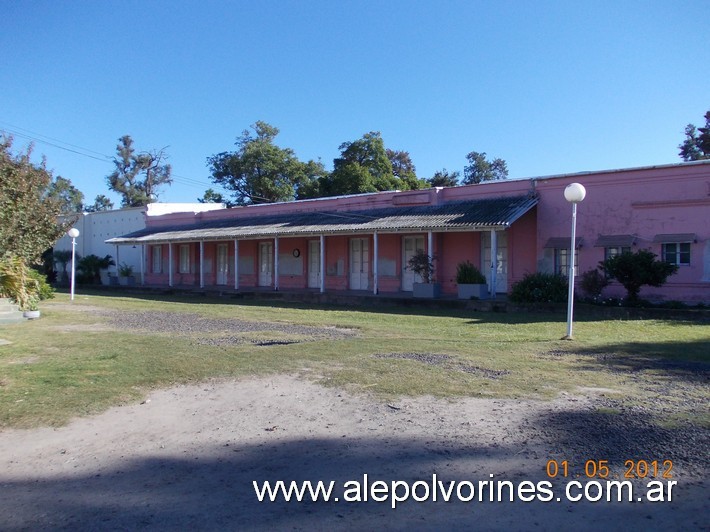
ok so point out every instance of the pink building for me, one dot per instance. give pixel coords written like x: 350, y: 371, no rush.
x: 506, y: 228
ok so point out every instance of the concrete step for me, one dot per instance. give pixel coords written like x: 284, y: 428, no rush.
x: 9, y: 312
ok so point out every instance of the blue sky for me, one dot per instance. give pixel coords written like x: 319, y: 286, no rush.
x: 551, y: 87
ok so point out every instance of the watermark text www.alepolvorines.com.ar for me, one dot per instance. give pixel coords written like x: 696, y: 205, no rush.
x: 434, y: 489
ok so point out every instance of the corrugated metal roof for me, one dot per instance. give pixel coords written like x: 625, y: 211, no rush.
x: 472, y: 215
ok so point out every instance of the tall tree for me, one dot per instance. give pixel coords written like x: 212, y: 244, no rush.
x: 259, y: 171
x: 480, y: 169
x: 403, y: 169
x: 101, y: 203
x: 28, y: 217
x: 70, y: 198
x: 138, y: 176
x: 365, y: 165
x: 444, y: 178
x: 212, y: 196
x: 696, y: 146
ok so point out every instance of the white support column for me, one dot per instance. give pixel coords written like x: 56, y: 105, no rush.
x: 202, y: 263
x: 276, y: 263
x: 375, y: 272
x: 142, y: 264
x: 118, y: 262
x: 236, y: 264
x: 430, y: 251
x: 170, y: 264
x: 322, y: 264
x: 494, y: 263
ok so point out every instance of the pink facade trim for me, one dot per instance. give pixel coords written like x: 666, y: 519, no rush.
x: 664, y: 209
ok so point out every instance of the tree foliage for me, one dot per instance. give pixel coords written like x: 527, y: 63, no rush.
x: 138, y: 176
x: 101, y: 203
x: 365, y: 165
x: 212, y: 196
x: 696, y: 146
x: 28, y: 216
x: 70, y: 198
x: 259, y: 171
x: 403, y: 169
x: 480, y: 169
x: 634, y: 270
x: 444, y: 178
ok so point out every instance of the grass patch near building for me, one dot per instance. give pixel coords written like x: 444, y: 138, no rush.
x: 103, y: 350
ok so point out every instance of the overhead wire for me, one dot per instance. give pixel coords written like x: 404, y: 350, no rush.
x: 27, y: 134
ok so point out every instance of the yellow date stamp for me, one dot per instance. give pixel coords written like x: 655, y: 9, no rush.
x: 632, y: 469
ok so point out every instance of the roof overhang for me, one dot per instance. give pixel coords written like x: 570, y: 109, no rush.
x: 464, y: 216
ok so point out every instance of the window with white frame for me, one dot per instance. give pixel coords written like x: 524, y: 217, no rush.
x: 157, y: 259
x: 184, y: 265
x: 677, y: 253
x: 613, y: 251
x: 562, y: 261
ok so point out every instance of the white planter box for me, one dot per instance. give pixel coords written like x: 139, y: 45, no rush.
x: 473, y: 291
x: 427, y: 290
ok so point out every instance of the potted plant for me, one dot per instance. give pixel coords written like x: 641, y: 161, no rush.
x: 423, y: 265
x: 125, y: 275
x: 471, y: 282
x: 31, y: 308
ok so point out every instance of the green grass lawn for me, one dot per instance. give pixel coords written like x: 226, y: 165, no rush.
x: 78, y: 359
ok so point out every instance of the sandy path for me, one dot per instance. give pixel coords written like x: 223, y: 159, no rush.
x: 186, y: 458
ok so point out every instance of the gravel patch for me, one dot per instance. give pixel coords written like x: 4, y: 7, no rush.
x: 447, y: 362
x: 231, y: 331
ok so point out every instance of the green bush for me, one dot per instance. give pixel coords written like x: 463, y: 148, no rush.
x: 17, y: 283
x: 44, y: 289
x: 467, y: 273
x: 90, y: 268
x: 540, y: 288
x: 634, y: 270
x: 593, y: 283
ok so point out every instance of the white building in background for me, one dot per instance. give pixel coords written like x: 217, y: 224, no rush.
x: 97, y: 227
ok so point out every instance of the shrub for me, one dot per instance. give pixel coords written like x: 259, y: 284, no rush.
x: 90, y: 268
x: 422, y: 265
x: 467, y: 273
x: 540, y: 288
x: 593, y: 283
x: 125, y: 270
x: 44, y: 289
x: 634, y: 270
x: 17, y: 283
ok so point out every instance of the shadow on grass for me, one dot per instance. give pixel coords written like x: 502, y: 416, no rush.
x: 684, y: 360
x: 408, y: 306
x: 213, y: 490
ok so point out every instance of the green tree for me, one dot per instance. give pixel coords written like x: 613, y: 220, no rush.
x: 480, y: 169
x: 138, y: 176
x: 444, y: 178
x: 365, y: 166
x: 259, y: 171
x: 101, y: 203
x: 69, y: 198
x: 696, y: 145
x: 212, y: 196
x: 634, y: 270
x: 28, y: 217
x: 403, y: 169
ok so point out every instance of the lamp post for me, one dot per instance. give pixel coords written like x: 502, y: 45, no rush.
x: 73, y: 233
x: 574, y: 193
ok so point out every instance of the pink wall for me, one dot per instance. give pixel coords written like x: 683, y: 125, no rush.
x: 645, y: 202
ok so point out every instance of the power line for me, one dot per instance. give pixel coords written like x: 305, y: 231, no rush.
x: 86, y: 152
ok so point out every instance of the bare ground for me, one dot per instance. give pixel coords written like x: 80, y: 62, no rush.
x: 186, y: 458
